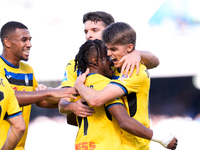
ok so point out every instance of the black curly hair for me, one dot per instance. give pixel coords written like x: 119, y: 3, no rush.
x: 91, y: 48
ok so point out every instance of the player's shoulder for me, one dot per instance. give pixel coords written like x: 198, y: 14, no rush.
x: 2, y: 77
x: 24, y: 65
x: 70, y: 64
x: 97, y: 79
x: 144, y: 70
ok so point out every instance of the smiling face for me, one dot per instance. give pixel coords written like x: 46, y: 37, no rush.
x: 93, y: 30
x: 116, y: 52
x: 120, y: 39
x: 20, y: 44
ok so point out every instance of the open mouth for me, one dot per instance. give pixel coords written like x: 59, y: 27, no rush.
x: 26, y: 52
x: 113, y: 60
x: 111, y: 63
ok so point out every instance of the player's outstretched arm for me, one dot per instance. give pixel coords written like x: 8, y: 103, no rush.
x: 134, y: 127
x: 26, y: 98
x: 133, y: 59
x: 16, y: 131
x: 45, y: 104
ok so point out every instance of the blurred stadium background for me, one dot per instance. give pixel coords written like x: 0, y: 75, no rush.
x: 168, y: 28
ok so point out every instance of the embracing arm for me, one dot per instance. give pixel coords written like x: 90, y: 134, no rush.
x: 129, y: 124
x: 73, y: 109
x: 78, y: 108
x: 15, y: 133
x: 98, y: 98
x: 65, y: 107
x: 134, y: 127
x: 132, y: 60
x: 149, y: 59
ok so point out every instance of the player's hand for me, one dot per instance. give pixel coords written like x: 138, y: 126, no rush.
x: 63, y: 92
x: 131, y: 60
x: 172, y: 145
x: 165, y: 139
x: 82, y: 110
x: 40, y: 87
x: 82, y: 77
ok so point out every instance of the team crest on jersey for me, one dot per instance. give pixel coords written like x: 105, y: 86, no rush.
x: 123, y: 77
x: 26, y: 80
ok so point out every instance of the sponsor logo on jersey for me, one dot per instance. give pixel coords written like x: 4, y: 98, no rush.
x: 9, y: 76
x: 85, y: 146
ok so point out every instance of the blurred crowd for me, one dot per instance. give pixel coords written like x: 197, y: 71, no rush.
x: 57, y: 134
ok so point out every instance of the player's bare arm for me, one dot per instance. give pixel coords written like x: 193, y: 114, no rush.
x: 78, y: 108
x: 134, y: 127
x: 132, y: 61
x: 129, y: 124
x: 149, y: 59
x: 26, y: 98
x: 16, y: 131
x: 72, y: 108
x: 45, y: 104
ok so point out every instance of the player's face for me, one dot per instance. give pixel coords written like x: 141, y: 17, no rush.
x: 20, y: 44
x: 116, y: 52
x: 106, y: 64
x: 93, y: 30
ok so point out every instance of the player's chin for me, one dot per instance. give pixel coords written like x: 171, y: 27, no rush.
x: 117, y: 64
x: 25, y: 59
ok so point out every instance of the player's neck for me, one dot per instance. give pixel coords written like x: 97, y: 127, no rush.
x: 94, y: 70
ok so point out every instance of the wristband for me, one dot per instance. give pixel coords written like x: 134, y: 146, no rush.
x: 162, y: 137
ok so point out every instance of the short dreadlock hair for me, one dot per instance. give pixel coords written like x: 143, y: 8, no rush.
x: 91, y: 48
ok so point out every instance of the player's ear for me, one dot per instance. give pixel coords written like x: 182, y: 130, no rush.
x: 6, y: 42
x: 94, y: 60
x: 130, y: 48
